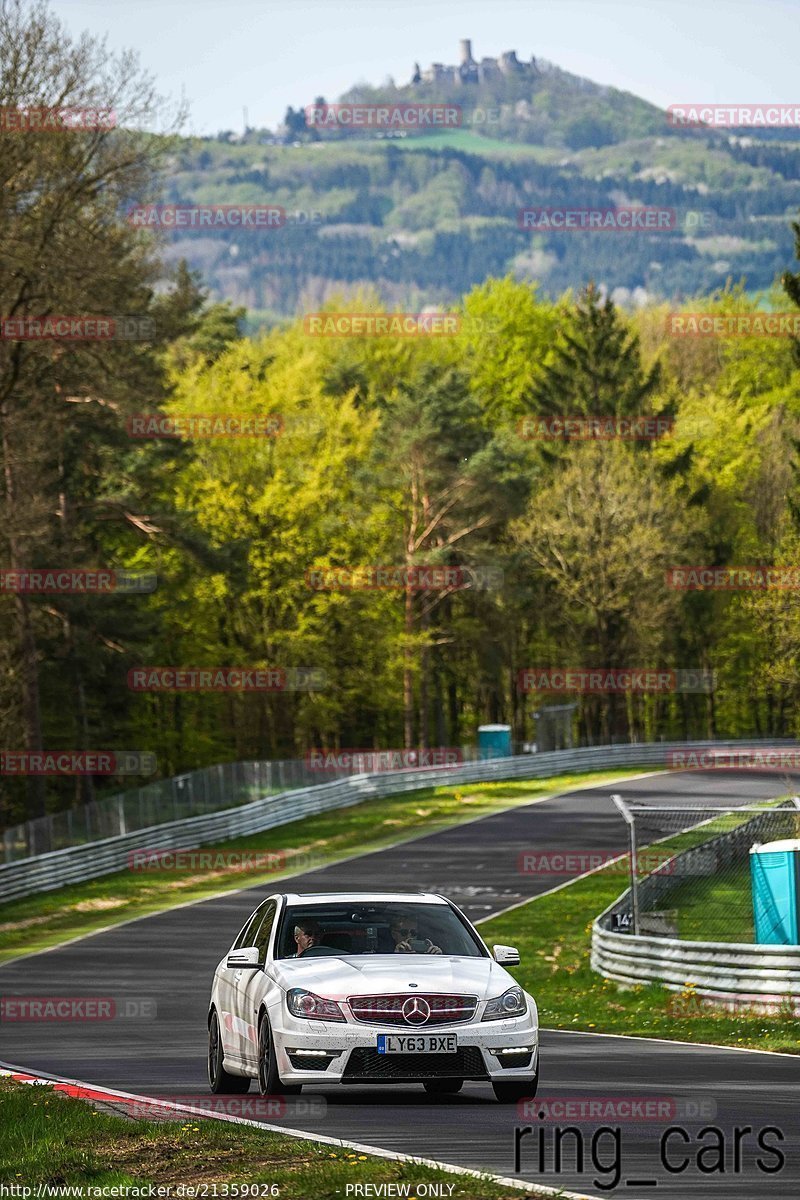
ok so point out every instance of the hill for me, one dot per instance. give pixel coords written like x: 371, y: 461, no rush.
x: 424, y: 217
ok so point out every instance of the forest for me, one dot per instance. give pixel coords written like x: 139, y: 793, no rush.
x: 456, y: 549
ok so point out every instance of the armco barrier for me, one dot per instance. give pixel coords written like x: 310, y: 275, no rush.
x: 723, y: 972
x: 191, y: 794
x: 92, y: 859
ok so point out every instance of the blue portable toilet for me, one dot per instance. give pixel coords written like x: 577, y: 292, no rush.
x: 775, y: 875
x: 494, y: 741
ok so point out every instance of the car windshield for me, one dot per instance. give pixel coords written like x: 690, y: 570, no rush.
x: 316, y: 930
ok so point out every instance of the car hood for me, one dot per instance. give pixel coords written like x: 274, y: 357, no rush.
x: 338, y: 978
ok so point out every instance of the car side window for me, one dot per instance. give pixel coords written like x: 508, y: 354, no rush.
x: 245, y: 938
x: 261, y: 938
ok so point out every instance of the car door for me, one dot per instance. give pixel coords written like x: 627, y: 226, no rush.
x: 249, y: 984
x: 228, y: 989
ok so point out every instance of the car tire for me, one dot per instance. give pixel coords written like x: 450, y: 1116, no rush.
x: 219, y: 1080
x: 269, y: 1081
x: 443, y: 1087
x: 515, y: 1090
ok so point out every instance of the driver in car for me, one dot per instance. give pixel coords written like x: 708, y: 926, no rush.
x: 306, y: 935
x: 405, y: 937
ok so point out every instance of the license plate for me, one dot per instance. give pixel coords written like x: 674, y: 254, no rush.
x: 417, y: 1043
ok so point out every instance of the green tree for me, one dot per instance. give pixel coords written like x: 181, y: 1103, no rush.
x: 508, y: 331
x: 596, y: 367
x: 64, y: 250
x: 449, y: 484
x: 278, y: 508
x: 602, y: 532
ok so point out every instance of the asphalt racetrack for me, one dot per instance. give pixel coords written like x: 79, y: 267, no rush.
x: 170, y: 958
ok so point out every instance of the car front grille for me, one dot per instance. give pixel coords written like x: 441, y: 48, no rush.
x: 368, y: 1066
x: 515, y: 1061
x: 445, y: 1009
x: 302, y: 1063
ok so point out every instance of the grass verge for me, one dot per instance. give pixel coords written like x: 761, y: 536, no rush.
x: 716, y: 909
x: 49, y: 918
x: 48, y: 1138
x: 553, y: 933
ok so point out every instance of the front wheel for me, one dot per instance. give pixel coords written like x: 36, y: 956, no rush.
x: 269, y: 1081
x: 219, y: 1080
x: 512, y: 1092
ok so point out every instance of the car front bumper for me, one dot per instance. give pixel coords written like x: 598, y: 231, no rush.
x: 325, y: 1052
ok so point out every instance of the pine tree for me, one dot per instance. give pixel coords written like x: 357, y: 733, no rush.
x: 596, y: 369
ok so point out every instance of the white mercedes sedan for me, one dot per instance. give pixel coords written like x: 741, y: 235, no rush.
x: 362, y: 988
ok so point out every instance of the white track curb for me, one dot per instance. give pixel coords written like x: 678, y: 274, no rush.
x: 88, y: 1091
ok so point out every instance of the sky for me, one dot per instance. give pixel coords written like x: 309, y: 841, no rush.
x: 225, y: 56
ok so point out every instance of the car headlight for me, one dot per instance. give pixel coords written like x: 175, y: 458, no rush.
x: 511, y: 1004
x: 316, y: 1008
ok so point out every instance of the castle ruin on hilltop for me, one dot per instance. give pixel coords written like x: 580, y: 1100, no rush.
x: 469, y: 70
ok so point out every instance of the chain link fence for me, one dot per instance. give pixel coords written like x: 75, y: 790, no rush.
x: 689, y: 867
x: 195, y: 793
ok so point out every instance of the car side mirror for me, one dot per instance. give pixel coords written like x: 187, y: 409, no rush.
x: 507, y: 956
x: 246, y: 957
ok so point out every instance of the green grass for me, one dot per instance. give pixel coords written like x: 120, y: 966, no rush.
x: 48, y: 1138
x: 47, y: 919
x: 716, y: 909
x: 472, y: 142
x: 553, y: 934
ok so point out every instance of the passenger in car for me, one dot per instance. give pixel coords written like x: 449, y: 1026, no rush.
x: 406, y: 941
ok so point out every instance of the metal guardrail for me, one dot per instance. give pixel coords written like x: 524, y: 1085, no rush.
x: 191, y: 794
x: 739, y: 972
x: 205, y: 790
x: 75, y: 864
x: 717, y: 970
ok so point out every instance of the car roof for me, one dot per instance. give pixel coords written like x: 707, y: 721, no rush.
x: 360, y: 897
